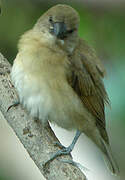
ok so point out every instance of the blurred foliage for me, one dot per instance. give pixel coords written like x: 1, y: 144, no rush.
x: 103, y: 28
x: 4, y: 176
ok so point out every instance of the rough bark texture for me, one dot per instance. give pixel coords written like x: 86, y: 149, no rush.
x: 38, y: 141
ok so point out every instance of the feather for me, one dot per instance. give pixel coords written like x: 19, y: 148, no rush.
x: 109, y: 159
x: 88, y: 73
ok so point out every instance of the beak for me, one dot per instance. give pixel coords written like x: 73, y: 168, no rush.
x: 59, y: 30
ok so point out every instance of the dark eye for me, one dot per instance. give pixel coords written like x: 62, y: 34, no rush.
x: 71, y: 31
x: 50, y: 19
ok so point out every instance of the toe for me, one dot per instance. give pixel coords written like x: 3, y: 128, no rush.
x: 59, y: 145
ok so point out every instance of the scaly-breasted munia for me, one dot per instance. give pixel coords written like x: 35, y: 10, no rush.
x: 59, y: 77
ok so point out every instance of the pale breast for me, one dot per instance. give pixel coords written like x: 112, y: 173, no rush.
x: 47, y: 94
x: 32, y: 94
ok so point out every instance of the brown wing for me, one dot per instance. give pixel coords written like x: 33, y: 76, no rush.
x: 86, y: 80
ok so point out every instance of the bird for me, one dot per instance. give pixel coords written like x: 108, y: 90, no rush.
x: 59, y: 78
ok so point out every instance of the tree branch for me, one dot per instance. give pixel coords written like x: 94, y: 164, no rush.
x: 38, y: 141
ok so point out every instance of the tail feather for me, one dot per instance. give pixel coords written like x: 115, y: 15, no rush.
x: 109, y: 159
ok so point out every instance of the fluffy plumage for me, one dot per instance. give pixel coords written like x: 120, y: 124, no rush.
x: 59, y: 77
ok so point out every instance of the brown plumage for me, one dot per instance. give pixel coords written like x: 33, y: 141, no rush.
x: 59, y: 77
x: 86, y: 80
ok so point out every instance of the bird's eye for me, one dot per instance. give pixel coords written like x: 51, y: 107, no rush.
x: 50, y: 19
x: 71, y: 31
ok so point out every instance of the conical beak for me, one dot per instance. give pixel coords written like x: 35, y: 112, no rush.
x: 59, y: 30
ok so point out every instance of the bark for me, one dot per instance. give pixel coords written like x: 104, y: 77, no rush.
x: 37, y: 140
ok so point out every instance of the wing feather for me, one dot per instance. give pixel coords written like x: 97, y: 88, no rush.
x: 86, y: 80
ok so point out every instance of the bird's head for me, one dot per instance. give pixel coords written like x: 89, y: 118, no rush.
x: 59, y: 25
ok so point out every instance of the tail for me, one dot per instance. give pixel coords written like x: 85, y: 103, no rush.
x: 109, y: 159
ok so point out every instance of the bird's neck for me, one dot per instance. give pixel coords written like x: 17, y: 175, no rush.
x: 33, y: 39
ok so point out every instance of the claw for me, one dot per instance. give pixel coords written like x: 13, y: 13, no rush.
x: 13, y: 105
x: 59, y: 144
x: 76, y: 164
x: 64, y: 150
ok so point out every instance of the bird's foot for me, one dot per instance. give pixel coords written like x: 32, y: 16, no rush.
x: 59, y: 144
x: 13, y: 105
x: 76, y: 164
x: 63, y: 151
x: 69, y: 162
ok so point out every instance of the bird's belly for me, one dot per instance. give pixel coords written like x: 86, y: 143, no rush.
x: 33, y: 94
x: 51, y: 99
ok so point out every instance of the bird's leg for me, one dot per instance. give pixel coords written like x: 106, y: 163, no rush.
x: 64, y: 150
x: 13, y: 105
